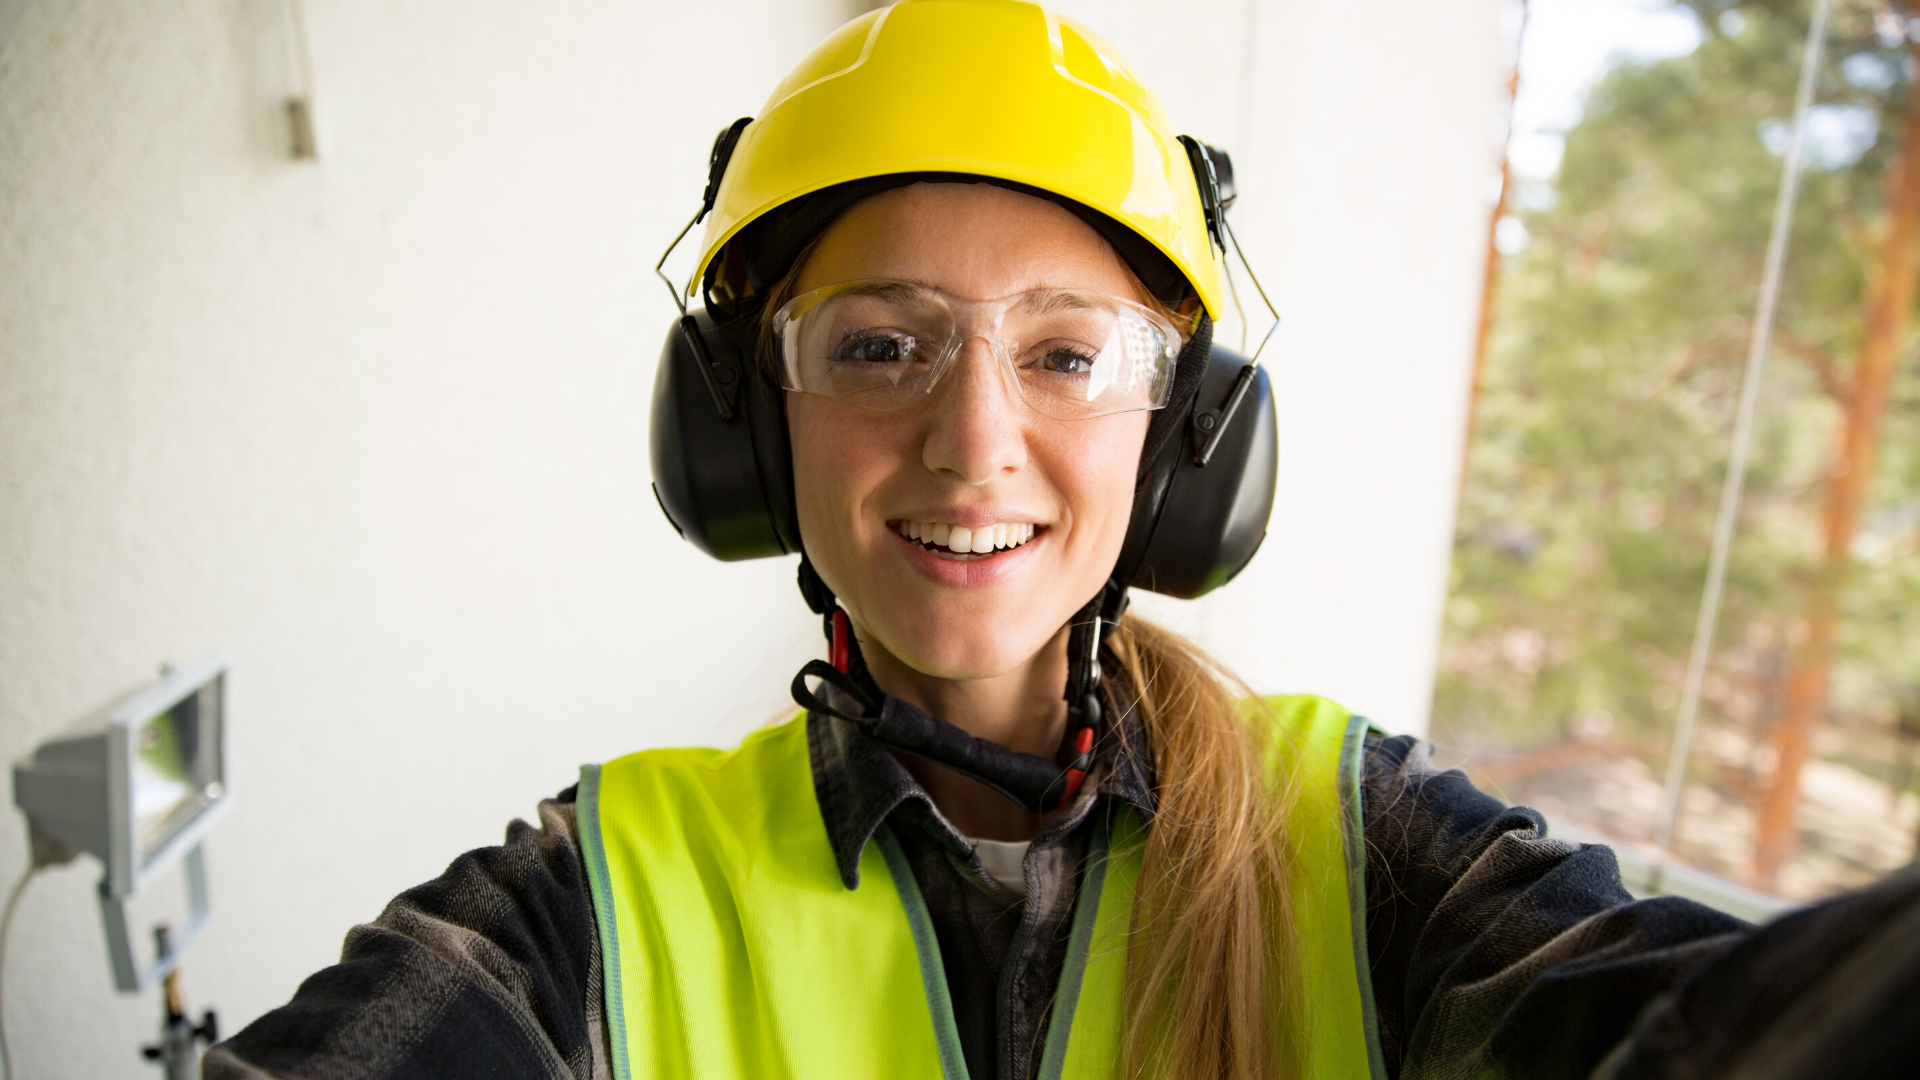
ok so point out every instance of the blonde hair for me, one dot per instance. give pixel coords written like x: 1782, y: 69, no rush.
x: 1213, y: 992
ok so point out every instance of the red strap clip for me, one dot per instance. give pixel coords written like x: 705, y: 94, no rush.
x: 840, y: 654
x: 1083, y: 749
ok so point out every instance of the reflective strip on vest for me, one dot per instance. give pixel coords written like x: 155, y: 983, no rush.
x: 731, y: 949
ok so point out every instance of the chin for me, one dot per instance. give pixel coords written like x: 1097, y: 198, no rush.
x: 974, y: 654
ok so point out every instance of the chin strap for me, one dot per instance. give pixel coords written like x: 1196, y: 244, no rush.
x: 1085, y: 637
x: 1039, y: 785
x: 843, y: 652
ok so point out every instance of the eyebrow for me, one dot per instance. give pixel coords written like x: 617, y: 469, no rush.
x: 889, y: 290
x: 1065, y: 299
x: 1057, y: 298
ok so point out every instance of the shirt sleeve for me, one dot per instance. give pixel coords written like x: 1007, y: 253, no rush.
x: 1497, y: 950
x: 491, y: 969
x: 1828, y: 993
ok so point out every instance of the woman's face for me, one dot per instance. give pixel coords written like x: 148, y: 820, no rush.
x: 971, y: 455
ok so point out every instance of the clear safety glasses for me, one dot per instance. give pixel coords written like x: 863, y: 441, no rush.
x: 884, y: 345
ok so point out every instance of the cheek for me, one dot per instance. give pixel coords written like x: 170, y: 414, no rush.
x: 1094, y: 466
x: 839, y: 460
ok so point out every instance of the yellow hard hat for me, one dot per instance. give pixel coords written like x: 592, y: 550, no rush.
x: 996, y: 89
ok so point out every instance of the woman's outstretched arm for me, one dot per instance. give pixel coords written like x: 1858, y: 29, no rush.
x: 491, y: 969
x: 1496, y: 947
x: 1498, y: 951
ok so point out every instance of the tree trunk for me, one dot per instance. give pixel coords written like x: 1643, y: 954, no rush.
x: 1490, y: 285
x: 1889, y: 303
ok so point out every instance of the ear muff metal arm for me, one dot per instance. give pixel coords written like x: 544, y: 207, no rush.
x: 722, y: 153
x: 716, y: 380
x: 1210, y: 425
x: 719, y: 378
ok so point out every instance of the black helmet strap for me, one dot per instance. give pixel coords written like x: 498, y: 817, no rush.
x: 1039, y: 785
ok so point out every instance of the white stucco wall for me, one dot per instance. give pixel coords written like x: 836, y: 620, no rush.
x: 377, y: 423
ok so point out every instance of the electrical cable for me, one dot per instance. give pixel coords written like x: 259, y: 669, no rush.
x: 1723, y: 526
x: 6, y: 927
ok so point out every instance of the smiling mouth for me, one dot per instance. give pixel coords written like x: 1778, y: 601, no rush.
x: 961, y: 543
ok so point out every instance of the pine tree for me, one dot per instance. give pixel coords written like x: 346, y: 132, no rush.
x: 1609, y: 390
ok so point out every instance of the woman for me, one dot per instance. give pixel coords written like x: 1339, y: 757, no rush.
x: 982, y: 276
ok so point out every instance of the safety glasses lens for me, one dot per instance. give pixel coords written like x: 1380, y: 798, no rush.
x: 885, y: 345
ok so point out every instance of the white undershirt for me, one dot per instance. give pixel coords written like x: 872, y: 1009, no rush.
x: 1005, y: 862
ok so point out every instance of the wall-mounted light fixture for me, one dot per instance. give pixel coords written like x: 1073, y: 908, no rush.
x: 138, y: 786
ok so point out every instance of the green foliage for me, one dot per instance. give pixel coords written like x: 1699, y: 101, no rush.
x: 1609, y: 393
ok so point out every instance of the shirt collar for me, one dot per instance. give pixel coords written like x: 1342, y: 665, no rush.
x: 858, y: 783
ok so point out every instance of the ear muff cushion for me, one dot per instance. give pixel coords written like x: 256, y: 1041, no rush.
x: 1195, y: 527
x: 727, y: 486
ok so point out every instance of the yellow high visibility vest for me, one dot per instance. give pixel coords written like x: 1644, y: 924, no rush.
x: 732, y: 950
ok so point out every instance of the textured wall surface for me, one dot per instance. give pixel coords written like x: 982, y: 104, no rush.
x: 377, y: 422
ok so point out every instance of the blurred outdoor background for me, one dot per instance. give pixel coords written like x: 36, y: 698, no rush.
x: 1628, y: 260
x: 366, y: 403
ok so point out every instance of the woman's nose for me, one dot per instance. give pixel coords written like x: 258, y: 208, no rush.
x: 976, y: 428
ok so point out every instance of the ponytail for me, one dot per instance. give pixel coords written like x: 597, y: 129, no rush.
x: 1213, y: 992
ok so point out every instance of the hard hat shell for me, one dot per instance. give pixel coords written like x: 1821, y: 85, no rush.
x: 999, y: 89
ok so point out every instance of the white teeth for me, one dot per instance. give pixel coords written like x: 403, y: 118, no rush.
x: 965, y: 540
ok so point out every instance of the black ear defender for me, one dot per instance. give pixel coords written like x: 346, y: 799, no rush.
x: 724, y: 479
x: 1207, y: 474
x: 1206, y: 487
x: 723, y: 469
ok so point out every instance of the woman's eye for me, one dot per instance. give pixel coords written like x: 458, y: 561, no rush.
x: 874, y: 349
x: 1063, y: 361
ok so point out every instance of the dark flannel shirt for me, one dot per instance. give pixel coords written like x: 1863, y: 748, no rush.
x: 1495, y: 950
